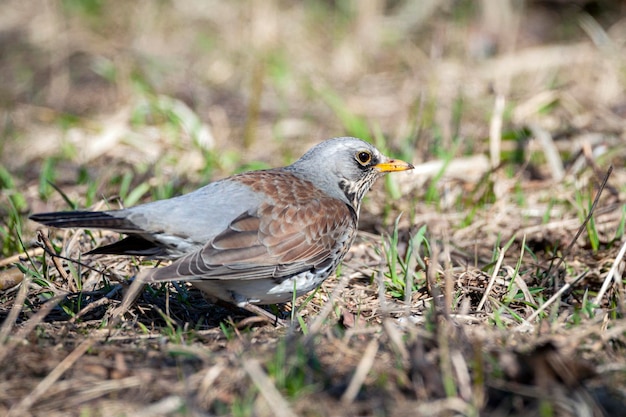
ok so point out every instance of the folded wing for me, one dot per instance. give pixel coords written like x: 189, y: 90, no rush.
x: 271, y: 242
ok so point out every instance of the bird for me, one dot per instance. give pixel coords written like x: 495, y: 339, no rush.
x: 254, y: 238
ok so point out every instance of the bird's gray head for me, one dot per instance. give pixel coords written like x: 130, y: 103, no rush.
x: 345, y: 168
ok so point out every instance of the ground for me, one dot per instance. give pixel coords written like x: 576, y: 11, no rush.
x: 487, y: 281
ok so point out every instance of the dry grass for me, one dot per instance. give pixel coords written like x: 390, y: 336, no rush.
x: 494, y: 293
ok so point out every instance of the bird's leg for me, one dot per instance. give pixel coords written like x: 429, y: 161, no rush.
x: 130, y: 297
x: 272, y: 318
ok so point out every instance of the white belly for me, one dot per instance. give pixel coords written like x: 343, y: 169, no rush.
x: 261, y: 291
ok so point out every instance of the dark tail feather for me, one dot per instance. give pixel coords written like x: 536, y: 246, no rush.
x: 132, y: 245
x: 85, y: 219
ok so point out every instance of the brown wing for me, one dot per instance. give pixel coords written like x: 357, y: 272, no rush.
x: 274, y: 242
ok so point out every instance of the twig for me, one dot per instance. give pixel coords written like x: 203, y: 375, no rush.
x: 584, y: 224
x: 361, y: 372
x: 550, y: 150
x: 495, y: 131
x: 17, y: 257
x: 492, y: 280
x: 555, y: 297
x: 48, y: 247
x: 10, y: 277
x: 395, y: 336
x: 100, y: 302
x: 14, y: 313
x: 50, y: 251
x: 612, y: 273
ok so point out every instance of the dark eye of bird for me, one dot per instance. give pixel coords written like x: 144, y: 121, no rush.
x: 364, y: 157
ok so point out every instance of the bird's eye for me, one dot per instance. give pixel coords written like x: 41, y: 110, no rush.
x: 364, y: 157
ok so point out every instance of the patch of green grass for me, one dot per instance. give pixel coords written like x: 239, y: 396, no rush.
x: 280, y: 73
x: 520, y: 195
x: 353, y: 125
x: 175, y: 333
x: 16, y: 200
x: 47, y: 176
x: 76, y: 273
x: 495, y: 318
x: 71, y: 305
x: 11, y: 227
x: 432, y: 195
x: 592, y: 233
x: 242, y: 405
x: 619, y: 231
x: 335, y: 17
x: 105, y: 68
x: 587, y: 307
x: 144, y: 329
x: 584, y: 203
x: 163, y: 190
x: 66, y: 121
x: 294, y: 368
x: 517, y: 155
x: 87, y: 8
x: 229, y: 330
x: 547, y: 216
x: 128, y: 190
x: 295, y: 313
x: 401, y: 277
x: 475, y: 201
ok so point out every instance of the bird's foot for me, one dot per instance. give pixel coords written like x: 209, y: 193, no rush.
x: 263, y: 315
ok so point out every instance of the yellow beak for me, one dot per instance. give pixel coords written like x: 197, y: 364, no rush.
x: 393, y: 165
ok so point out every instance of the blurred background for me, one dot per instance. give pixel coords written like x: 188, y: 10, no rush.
x: 102, y: 97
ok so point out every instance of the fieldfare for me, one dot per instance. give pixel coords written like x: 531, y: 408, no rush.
x: 252, y: 238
